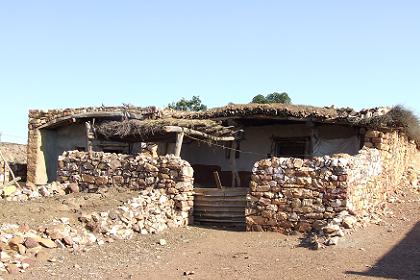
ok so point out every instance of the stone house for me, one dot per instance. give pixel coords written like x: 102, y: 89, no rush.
x: 298, y: 164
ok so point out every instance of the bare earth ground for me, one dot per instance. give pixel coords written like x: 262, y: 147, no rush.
x: 390, y: 251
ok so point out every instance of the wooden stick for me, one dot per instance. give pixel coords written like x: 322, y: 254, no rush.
x: 217, y: 179
x: 188, y: 131
x: 88, y: 137
x: 11, y: 171
x: 14, y: 181
x: 178, y: 146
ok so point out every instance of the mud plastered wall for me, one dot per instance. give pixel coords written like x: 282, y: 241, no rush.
x: 166, y: 181
x: 288, y: 194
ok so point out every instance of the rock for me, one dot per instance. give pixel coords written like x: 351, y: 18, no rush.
x: 339, y: 233
x: 48, y: 243
x: 21, y: 249
x: 162, y: 242
x: 9, y: 190
x: 349, y: 222
x: 298, y: 162
x: 332, y: 241
x: 57, y: 231
x: 73, y: 187
x: 12, y: 268
x: 15, y: 240
x: 68, y: 240
x: 31, y: 243
x: 330, y: 229
x: 24, y: 228
x: 4, y: 256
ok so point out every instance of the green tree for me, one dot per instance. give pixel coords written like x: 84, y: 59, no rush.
x: 193, y: 104
x: 274, y: 97
x: 259, y: 99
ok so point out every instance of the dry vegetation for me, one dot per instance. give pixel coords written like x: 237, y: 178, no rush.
x: 154, y: 127
x: 397, y: 118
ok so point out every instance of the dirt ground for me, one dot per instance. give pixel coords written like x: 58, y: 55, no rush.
x: 389, y: 251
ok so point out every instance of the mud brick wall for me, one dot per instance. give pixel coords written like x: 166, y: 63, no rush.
x: 167, y: 179
x: 288, y: 194
x: 39, y: 118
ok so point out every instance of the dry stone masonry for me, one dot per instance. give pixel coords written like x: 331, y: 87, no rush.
x: 291, y: 194
x: 165, y: 184
x: 151, y: 212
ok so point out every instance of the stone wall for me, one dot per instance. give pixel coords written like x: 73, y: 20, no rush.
x: 288, y: 194
x: 166, y: 182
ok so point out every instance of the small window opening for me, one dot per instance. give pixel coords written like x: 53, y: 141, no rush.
x: 292, y: 147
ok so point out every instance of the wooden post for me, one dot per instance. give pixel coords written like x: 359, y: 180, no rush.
x: 217, y: 179
x: 178, y: 146
x: 236, y: 180
x: 89, y: 137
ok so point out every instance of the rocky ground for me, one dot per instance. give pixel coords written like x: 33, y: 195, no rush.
x: 389, y: 250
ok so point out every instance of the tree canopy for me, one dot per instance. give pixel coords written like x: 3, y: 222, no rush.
x: 193, y: 104
x: 274, y: 97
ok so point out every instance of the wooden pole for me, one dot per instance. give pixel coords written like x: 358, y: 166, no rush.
x: 217, y: 179
x: 15, y: 180
x: 188, y: 131
x: 89, y: 136
x: 178, y: 145
x: 236, y: 180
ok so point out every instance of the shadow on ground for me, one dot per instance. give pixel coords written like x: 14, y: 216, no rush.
x: 402, y: 262
x: 223, y: 227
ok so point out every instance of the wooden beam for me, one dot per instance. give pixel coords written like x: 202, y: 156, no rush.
x: 188, y: 131
x: 217, y: 179
x: 178, y: 146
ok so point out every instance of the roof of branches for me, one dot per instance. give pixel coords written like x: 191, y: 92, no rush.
x: 155, y: 128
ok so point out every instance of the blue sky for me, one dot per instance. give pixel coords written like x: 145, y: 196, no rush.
x: 57, y: 54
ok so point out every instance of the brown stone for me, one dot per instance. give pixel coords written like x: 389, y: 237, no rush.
x: 117, y: 180
x: 48, y: 243
x: 73, y: 188
x: 264, y: 201
x: 298, y: 162
x: 88, y: 179
x: 304, y: 227
x: 15, y: 240
x: 101, y: 180
x: 12, y: 268
x: 56, y: 231
x: 24, y: 228
x: 31, y: 243
x: 68, y: 241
